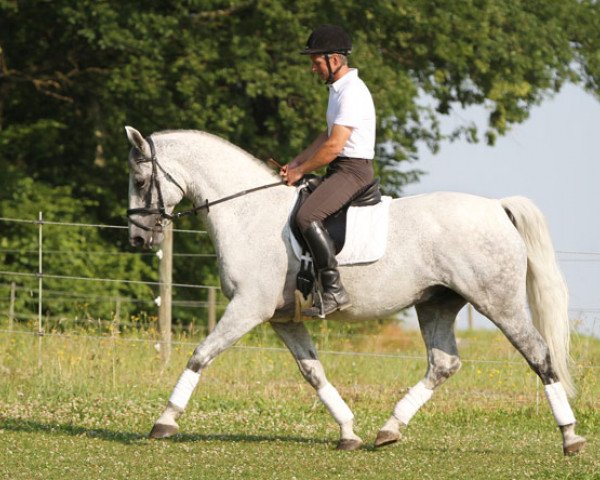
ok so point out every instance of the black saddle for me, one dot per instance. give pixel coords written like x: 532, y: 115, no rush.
x: 334, y: 224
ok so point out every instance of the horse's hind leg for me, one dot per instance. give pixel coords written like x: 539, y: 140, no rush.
x: 235, y: 322
x: 520, y: 331
x: 436, y: 319
x: 297, y: 339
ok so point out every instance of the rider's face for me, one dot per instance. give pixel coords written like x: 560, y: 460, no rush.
x: 319, y: 65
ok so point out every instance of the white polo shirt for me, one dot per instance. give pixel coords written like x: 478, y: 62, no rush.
x: 351, y: 105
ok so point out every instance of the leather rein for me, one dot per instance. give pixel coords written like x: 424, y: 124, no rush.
x: 160, y: 210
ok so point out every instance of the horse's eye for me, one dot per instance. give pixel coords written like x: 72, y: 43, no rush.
x: 139, y: 184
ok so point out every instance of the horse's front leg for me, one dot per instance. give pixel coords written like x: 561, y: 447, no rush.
x: 239, y: 318
x: 297, y: 339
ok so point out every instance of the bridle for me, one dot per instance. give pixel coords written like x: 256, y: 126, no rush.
x: 154, y: 184
x: 160, y: 209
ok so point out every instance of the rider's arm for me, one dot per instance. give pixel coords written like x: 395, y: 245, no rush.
x: 309, y: 151
x: 326, y: 152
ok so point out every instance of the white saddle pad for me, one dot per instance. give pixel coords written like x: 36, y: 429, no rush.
x: 366, y: 234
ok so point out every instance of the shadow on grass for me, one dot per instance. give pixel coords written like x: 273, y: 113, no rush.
x: 128, y: 438
x: 17, y: 425
x: 192, y: 437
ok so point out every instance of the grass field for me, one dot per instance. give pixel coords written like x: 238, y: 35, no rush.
x: 81, y: 407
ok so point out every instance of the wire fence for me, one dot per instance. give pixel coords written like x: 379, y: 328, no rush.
x: 41, y: 252
x: 585, y: 320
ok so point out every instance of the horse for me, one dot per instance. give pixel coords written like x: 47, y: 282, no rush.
x: 444, y: 249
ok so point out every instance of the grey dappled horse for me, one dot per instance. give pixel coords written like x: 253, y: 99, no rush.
x: 443, y: 250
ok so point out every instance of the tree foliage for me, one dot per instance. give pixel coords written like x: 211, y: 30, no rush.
x: 72, y: 74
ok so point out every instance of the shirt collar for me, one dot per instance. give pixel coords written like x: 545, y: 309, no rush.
x: 349, y: 76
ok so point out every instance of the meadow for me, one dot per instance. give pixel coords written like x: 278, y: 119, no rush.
x: 81, y: 405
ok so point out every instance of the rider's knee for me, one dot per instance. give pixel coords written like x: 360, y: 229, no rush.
x: 303, y: 220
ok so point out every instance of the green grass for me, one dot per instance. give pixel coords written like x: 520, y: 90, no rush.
x: 81, y: 407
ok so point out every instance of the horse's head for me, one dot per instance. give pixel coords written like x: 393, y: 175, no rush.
x: 153, y: 193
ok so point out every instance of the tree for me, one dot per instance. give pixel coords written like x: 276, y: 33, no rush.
x: 79, y: 72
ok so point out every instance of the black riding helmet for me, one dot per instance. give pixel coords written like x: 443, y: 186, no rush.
x: 327, y: 39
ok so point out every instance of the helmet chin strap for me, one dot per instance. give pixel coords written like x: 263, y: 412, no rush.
x: 330, y: 79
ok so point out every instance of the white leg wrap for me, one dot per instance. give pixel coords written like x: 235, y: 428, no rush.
x: 416, y: 397
x: 557, y: 397
x: 184, y: 388
x: 335, y: 404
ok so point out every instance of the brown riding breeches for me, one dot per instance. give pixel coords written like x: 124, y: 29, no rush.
x: 344, y: 178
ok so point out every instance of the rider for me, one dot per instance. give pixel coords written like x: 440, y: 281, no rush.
x: 347, y: 147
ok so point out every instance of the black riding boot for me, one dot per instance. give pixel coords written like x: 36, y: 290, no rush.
x: 322, y: 250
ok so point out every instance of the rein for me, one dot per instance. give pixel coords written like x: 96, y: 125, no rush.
x: 206, y: 205
x: 160, y: 208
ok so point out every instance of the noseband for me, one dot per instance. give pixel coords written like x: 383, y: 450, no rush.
x: 160, y: 210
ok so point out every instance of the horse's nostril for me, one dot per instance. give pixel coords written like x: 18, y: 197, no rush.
x: 137, y: 242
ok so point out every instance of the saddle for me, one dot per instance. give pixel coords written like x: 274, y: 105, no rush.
x: 334, y: 224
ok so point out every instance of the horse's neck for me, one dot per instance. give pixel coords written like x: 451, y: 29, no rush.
x: 214, y: 169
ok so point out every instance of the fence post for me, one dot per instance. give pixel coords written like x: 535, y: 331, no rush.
x: 212, y: 309
x: 117, y: 316
x: 40, y: 273
x: 470, y: 316
x: 166, y: 279
x: 114, y: 328
x: 11, y: 305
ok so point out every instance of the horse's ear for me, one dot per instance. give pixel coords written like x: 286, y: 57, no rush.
x: 138, y: 141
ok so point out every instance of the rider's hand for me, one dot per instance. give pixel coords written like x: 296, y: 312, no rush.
x: 292, y: 175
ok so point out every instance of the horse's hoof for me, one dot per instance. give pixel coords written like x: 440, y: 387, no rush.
x: 160, y: 430
x: 385, y: 437
x: 576, y: 446
x: 349, y: 444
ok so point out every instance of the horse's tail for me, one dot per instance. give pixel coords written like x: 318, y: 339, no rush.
x: 546, y: 288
